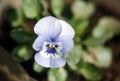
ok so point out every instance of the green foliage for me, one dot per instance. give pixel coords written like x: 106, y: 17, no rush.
x: 81, y: 27
x: 74, y: 57
x: 93, y: 41
x: 57, y: 74
x: 15, y: 17
x: 102, y: 55
x: 89, y: 54
x: 45, y: 7
x: 37, y: 68
x: 31, y: 8
x: 106, y: 26
x: 82, y: 10
x: 21, y: 53
x: 91, y: 72
x: 57, y: 7
x: 20, y: 36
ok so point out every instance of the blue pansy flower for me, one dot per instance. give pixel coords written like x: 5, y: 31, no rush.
x: 55, y: 38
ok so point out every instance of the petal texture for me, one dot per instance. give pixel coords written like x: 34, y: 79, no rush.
x: 48, y: 26
x: 67, y: 43
x: 66, y: 29
x: 41, y: 60
x: 57, y: 63
x: 50, y: 62
x: 38, y: 43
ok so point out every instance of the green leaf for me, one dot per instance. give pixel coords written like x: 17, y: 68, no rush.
x: 24, y: 52
x: 99, y: 32
x: 103, y: 56
x: 37, y: 68
x: 91, y: 72
x: 73, y: 57
x: 82, y: 10
x: 57, y: 74
x: 93, y: 42
x: 31, y: 8
x: 73, y: 22
x: 57, y: 7
x: 102, y: 32
x: 106, y: 27
x: 81, y: 27
x: 20, y: 36
x: 21, y: 53
x: 45, y: 6
x: 15, y: 54
x: 111, y: 23
x: 15, y: 17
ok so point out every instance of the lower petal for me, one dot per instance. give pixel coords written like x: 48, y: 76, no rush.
x: 57, y: 63
x: 41, y: 60
x: 50, y: 62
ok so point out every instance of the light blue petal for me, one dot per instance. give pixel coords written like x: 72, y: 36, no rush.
x: 38, y: 43
x: 67, y: 43
x: 67, y: 29
x: 48, y: 26
x: 41, y: 60
x: 50, y: 62
x: 57, y: 63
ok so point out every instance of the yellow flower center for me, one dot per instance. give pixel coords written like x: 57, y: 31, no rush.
x: 51, y: 46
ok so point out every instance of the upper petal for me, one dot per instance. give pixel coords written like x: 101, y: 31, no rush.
x: 66, y: 29
x: 48, y: 26
x: 38, y: 43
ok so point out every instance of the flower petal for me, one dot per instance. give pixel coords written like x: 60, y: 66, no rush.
x: 48, y: 26
x: 50, y: 62
x: 66, y: 29
x: 67, y: 43
x: 56, y: 63
x: 41, y: 60
x: 38, y: 43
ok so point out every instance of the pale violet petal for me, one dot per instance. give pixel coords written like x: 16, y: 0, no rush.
x: 67, y: 43
x: 41, y: 60
x: 49, y: 62
x: 38, y: 43
x: 57, y: 63
x: 48, y: 26
x: 66, y: 29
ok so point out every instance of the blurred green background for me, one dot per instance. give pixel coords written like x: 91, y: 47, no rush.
x: 95, y: 56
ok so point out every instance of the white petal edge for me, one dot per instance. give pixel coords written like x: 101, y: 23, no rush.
x: 67, y: 29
